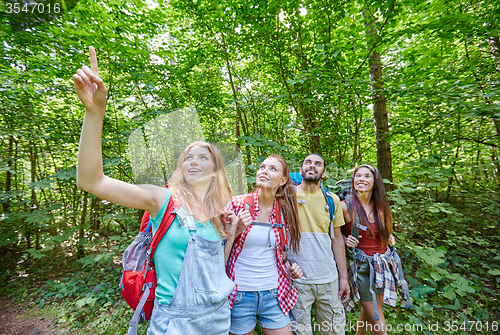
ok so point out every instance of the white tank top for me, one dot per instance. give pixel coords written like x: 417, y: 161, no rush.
x: 256, y: 269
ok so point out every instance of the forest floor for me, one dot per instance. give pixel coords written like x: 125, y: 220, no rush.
x: 20, y: 319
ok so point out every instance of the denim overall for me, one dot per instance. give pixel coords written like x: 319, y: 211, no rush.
x: 199, y: 304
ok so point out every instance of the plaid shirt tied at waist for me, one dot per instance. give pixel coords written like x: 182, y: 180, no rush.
x: 386, y: 272
x: 287, y: 294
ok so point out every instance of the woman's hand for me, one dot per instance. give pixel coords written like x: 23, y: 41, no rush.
x: 244, y: 220
x: 351, y: 241
x: 230, y: 225
x: 90, y: 87
x: 296, y: 271
x: 392, y: 240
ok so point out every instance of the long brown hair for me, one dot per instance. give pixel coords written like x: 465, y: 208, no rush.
x: 219, y: 191
x: 288, y: 205
x: 383, y: 219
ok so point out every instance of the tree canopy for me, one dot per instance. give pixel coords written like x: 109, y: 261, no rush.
x: 411, y: 86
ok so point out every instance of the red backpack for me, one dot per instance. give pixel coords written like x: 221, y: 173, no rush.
x: 138, y: 281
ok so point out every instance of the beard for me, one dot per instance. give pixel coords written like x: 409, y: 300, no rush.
x: 311, y: 179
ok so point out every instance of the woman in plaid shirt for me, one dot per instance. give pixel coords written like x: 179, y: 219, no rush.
x: 258, y: 262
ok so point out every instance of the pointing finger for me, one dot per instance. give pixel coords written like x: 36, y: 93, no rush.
x: 93, y: 59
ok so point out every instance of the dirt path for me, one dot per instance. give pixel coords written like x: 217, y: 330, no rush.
x: 17, y: 319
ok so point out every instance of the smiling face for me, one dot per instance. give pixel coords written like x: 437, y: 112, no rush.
x: 363, y: 180
x: 198, y: 166
x: 270, y: 174
x: 313, y: 169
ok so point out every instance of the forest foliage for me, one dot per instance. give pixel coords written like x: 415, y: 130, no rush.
x: 288, y: 77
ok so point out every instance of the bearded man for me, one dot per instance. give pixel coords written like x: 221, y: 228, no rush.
x: 321, y: 240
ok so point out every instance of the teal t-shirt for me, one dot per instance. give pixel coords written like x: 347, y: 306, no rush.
x: 170, y: 252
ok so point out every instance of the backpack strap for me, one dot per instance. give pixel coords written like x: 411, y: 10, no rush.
x: 166, y: 222
x: 330, y: 207
x: 145, y: 221
x: 138, y: 314
x: 354, y: 225
x: 249, y: 205
x: 299, y: 202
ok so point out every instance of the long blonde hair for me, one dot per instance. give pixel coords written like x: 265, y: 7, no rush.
x: 219, y: 192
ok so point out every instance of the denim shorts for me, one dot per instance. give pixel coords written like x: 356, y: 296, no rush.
x: 263, y: 306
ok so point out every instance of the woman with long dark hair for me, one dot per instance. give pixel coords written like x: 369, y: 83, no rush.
x: 192, y: 286
x: 368, y: 227
x: 258, y: 263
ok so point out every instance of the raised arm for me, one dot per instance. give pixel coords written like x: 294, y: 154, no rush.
x: 90, y: 176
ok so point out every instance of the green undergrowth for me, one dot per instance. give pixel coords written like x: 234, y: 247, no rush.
x: 81, y: 295
x: 449, y: 253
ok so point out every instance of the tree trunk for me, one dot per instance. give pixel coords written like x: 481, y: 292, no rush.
x: 381, y: 120
x: 94, y: 215
x: 81, y: 231
x: 34, y: 205
x: 239, y: 119
x: 494, y: 43
x: 8, y: 177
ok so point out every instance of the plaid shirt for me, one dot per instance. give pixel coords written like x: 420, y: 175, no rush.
x: 353, y: 284
x: 386, y: 276
x: 287, y: 294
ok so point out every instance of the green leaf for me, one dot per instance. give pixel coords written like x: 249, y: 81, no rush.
x: 85, y: 301
x: 37, y: 254
x: 433, y: 209
x: 455, y: 306
x: 424, y: 289
x: 430, y: 255
x: 401, y: 202
x: 436, y: 276
x: 319, y: 47
x: 449, y: 295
